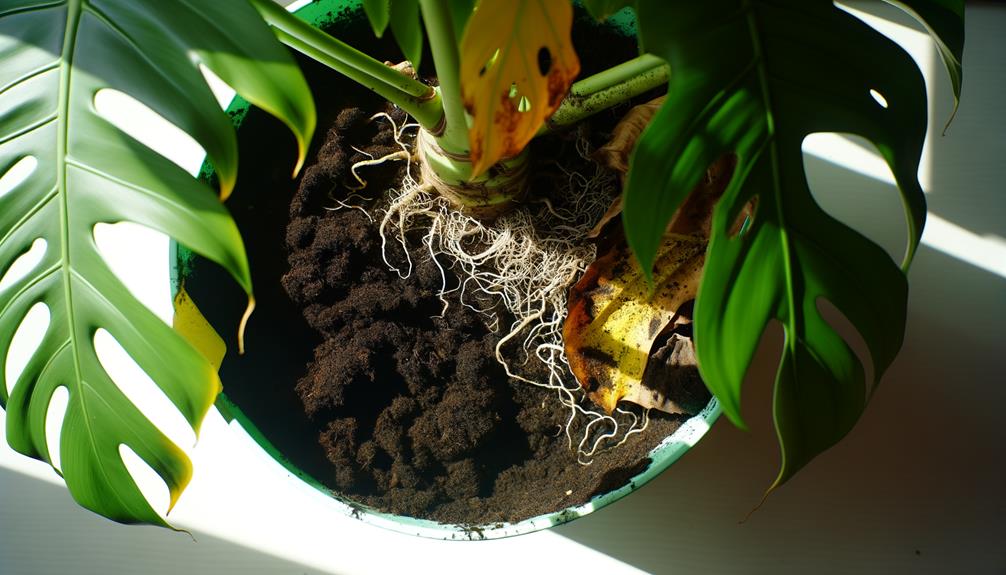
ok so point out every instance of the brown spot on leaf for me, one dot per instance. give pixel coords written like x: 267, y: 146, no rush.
x: 655, y: 327
x: 599, y: 356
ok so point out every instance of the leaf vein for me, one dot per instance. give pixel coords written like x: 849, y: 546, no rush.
x: 30, y: 75
x: 127, y: 184
x: 30, y: 128
x: 31, y: 214
x: 34, y: 8
x: 38, y: 278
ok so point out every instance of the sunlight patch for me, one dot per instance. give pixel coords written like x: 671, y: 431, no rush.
x: 129, y: 250
x: 150, y: 484
x: 137, y: 386
x: 149, y: 128
x: 17, y: 174
x: 25, y: 341
x: 54, y: 416
x: 24, y: 264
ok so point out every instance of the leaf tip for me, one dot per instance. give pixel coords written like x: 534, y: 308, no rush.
x: 301, y: 158
x: 758, y: 506
x: 304, y: 132
x: 180, y: 530
x: 953, y: 114
x: 303, y: 128
x: 227, y: 182
x: 244, y: 324
x: 732, y: 411
x: 175, y: 495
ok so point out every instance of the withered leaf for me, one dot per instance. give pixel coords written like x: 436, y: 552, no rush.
x: 517, y: 63
x: 614, y: 319
x: 615, y: 154
x: 696, y: 212
x: 671, y: 382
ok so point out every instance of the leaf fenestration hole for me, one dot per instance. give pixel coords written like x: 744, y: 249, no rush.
x: 544, y: 61
x: 150, y: 484
x: 221, y: 90
x: 149, y: 128
x: 27, y: 338
x: 141, y: 390
x: 744, y: 220
x: 24, y: 263
x: 54, y: 416
x: 524, y: 104
x: 489, y: 63
x: 17, y: 174
x: 758, y: 384
x: 848, y: 332
x: 513, y: 91
x: 126, y: 248
x: 851, y: 182
x: 880, y: 99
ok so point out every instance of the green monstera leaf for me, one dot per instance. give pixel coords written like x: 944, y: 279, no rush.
x: 55, y: 56
x: 403, y: 17
x: 753, y: 78
x: 407, y: 26
x: 378, y: 13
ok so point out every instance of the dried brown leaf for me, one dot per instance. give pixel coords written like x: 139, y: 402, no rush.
x: 615, y: 154
x: 615, y: 319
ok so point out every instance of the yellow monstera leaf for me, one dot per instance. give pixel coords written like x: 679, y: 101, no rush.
x: 517, y: 63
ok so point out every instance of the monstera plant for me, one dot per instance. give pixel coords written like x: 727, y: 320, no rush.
x: 745, y: 79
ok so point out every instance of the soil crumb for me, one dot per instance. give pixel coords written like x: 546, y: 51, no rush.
x: 414, y: 412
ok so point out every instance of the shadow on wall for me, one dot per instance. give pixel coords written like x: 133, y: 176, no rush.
x: 42, y: 511
x: 919, y: 486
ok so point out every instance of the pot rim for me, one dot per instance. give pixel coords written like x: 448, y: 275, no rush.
x: 661, y: 457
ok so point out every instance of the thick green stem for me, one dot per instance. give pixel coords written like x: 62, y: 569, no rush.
x: 417, y: 99
x: 495, y: 191
x: 453, y: 137
x: 615, y: 75
x: 608, y: 88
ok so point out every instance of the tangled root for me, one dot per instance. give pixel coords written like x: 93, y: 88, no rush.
x: 525, y: 260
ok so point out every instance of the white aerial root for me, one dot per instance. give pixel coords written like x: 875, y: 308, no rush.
x: 341, y: 205
x: 527, y: 260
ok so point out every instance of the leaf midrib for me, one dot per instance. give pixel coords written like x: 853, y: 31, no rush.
x: 74, y: 10
x: 763, y: 83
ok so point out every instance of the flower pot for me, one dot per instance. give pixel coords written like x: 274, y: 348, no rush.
x: 257, y: 386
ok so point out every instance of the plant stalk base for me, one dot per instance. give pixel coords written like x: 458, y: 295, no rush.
x: 485, y: 197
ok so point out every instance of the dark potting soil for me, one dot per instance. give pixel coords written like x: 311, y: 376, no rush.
x: 396, y: 408
x: 418, y: 418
